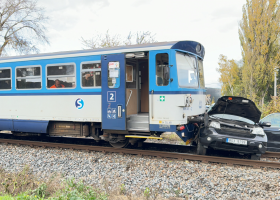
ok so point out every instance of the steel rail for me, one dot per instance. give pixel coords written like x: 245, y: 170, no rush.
x: 159, y: 154
x: 267, y: 154
x: 270, y: 154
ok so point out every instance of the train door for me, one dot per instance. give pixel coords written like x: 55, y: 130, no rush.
x: 113, y: 92
x: 161, y: 86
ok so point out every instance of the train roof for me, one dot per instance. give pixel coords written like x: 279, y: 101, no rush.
x: 190, y: 46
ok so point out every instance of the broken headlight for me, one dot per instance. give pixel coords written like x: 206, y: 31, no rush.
x: 258, y: 131
x: 215, y: 125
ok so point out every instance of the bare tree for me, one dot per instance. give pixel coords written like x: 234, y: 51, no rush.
x: 102, y: 41
x: 21, y: 26
x: 141, y: 37
x: 108, y: 40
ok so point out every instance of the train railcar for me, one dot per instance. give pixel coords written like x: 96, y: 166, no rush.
x: 121, y: 94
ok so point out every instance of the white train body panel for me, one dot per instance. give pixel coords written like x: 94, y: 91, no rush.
x: 51, y: 108
x: 173, y: 110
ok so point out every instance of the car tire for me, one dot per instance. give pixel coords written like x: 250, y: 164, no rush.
x: 200, y: 150
x: 255, y: 157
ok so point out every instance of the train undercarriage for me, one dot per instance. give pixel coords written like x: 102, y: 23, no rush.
x: 118, y: 139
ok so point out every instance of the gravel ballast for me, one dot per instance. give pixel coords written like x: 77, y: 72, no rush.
x: 166, y: 177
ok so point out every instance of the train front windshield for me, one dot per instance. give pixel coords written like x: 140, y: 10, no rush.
x: 188, y: 70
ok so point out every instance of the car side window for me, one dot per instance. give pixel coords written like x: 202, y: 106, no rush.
x: 274, y: 119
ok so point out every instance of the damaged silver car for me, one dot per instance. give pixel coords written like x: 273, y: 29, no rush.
x: 232, y: 124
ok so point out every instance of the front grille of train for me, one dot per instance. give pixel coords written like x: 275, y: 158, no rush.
x: 226, y: 130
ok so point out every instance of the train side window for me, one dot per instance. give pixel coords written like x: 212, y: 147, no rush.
x: 162, y: 69
x: 61, y: 76
x: 28, y: 77
x: 201, y: 74
x: 5, y: 79
x: 91, y: 75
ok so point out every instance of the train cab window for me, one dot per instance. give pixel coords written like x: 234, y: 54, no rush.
x: 61, y: 76
x: 201, y: 74
x: 28, y: 77
x: 91, y: 75
x: 5, y: 79
x: 187, y: 70
x: 162, y: 69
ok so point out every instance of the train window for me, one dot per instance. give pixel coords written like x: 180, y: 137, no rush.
x: 162, y: 64
x: 187, y: 70
x: 114, y: 74
x: 131, y: 75
x: 28, y: 77
x: 5, y: 79
x: 61, y: 76
x: 201, y: 74
x: 91, y: 75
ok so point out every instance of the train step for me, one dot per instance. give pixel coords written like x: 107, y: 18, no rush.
x: 138, y: 122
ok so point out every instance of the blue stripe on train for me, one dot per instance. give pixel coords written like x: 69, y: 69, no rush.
x: 55, y: 93
x: 30, y: 126
x: 162, y: 128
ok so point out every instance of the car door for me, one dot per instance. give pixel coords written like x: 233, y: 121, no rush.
x: 273, y: 132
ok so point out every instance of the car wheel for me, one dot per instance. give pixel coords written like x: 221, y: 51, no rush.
x: 200, y: 149
x: 255, y: 157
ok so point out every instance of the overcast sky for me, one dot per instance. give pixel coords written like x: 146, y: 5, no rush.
x: 212, y: 23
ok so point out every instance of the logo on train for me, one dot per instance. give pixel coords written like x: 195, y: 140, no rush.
x: 79, y: 103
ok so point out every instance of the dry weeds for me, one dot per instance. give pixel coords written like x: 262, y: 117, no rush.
x: 14, y: 184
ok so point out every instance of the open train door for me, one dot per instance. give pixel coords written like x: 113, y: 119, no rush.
x: 113, y: 92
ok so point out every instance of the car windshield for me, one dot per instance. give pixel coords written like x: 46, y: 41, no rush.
x: 274, y: 119
x: 232, y: 117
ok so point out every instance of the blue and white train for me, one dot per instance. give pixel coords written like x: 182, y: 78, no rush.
x: 121, y: 94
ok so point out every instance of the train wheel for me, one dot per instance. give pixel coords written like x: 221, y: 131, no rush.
x: 120, y: 144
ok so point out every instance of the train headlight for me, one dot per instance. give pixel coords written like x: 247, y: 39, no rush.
x: 258, y: 131
x: 215, y: 125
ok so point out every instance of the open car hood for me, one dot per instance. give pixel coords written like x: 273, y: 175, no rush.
x: 238, y: 106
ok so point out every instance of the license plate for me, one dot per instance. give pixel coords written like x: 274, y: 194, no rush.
x: 236, y: 141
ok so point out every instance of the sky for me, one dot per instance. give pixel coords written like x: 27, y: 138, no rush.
x: 213, y: 23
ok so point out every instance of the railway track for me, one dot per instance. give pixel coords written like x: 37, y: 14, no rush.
x: 270, y: 154
x: 159, y: 154
x: 182, y: 148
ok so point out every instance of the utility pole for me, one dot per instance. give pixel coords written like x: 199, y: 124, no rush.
x: 275, y: 84
x: 275, y: 80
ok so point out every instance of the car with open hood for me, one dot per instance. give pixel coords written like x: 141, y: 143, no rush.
x: 233, y: 124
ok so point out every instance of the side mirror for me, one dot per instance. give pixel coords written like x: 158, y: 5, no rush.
x: 166, y: 72
x: 265, y: 124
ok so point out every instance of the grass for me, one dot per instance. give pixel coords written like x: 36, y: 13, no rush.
x: 173, y: 137
x: 26, y: 186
